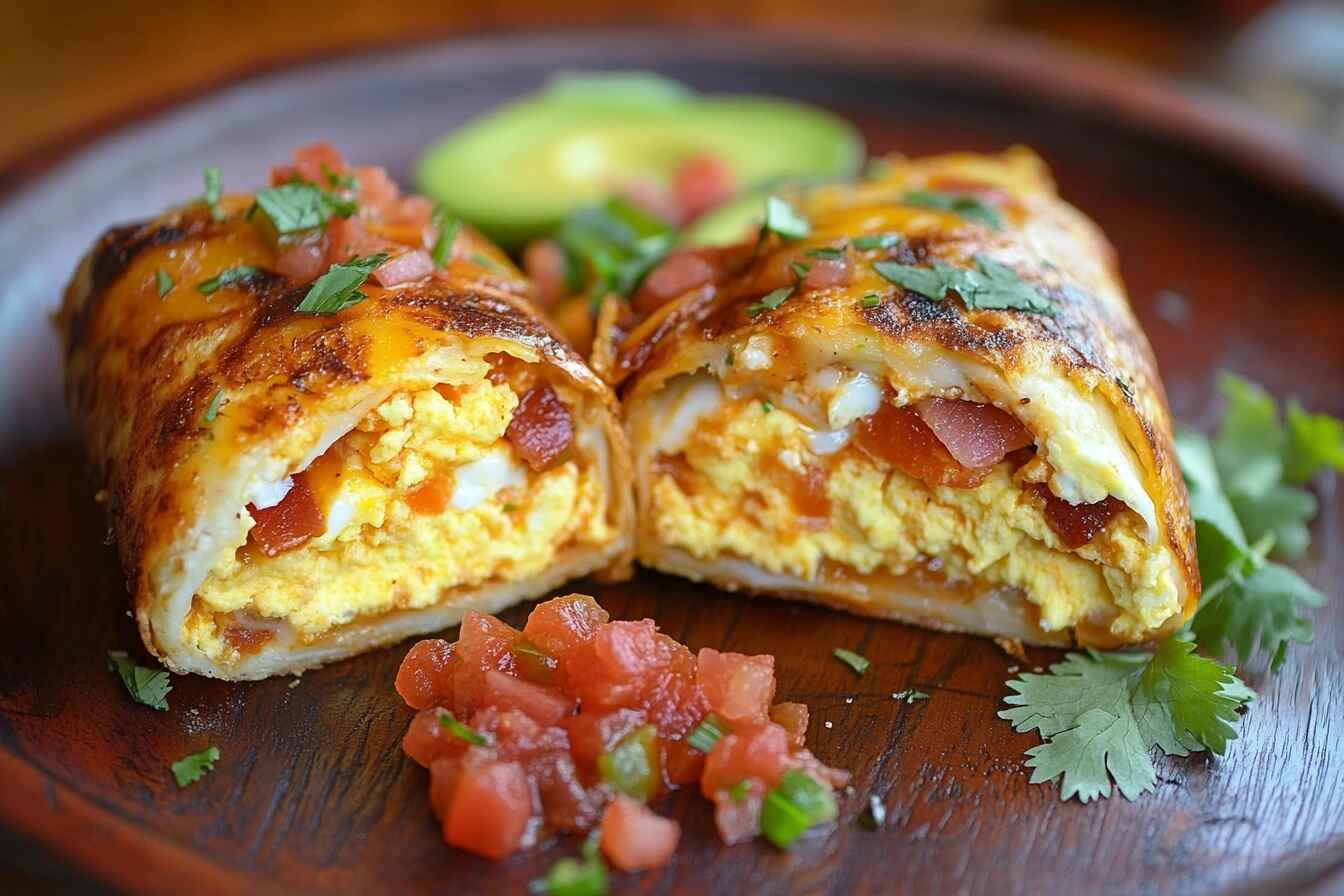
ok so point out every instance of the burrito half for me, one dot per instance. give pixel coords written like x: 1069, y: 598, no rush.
x: 923, y: 396
x: 326, y: 419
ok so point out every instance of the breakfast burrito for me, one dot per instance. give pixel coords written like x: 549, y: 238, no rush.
x: 922, y: 396
x: 325, y: 418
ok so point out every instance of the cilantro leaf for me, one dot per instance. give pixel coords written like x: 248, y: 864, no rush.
x: 616, y: 243
x: 163, y: 282
x: 298, y: 206
x: 147, y: 686
x: 878, y: 241
x: 227, y: 277
x: 1100, y: 716
x: 784, y: 220
x: 447, y: 227
x: 770, y: 301
x: 993, y: 286
x: 338, y: 288
x: 213, y: 192
x: 1315, y: 442
x: 968, y: 207
x: 190, y: 769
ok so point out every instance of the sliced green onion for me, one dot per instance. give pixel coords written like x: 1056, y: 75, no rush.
x: 631, y: 767
x: 798, y: 802
x: 829, y: 253
x: 212, y: 192
x: 707, y: 733
x: 739, y: 790
x: 574, y: 877
x: 851, y: 659
x: 767, y: 407
x: 163, y: 282
x: 462, y: 732
x: 872, y: 300
x: 536, y: 664
x: 212, y: 409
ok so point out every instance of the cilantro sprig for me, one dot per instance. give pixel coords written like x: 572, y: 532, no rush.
x: 338, y: 289
x: 1101, y: 714
x: 968, y: 207
x: 616, y: 244
x: 190, y: 769
x: 145, y: 685
x: 299, y: 206
x: 992, y: 286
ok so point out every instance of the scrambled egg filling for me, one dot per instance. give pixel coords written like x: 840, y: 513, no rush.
x: 381, y: 551
x: 727, y: 498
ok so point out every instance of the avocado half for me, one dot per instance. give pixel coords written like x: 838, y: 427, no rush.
x: 516, y: 172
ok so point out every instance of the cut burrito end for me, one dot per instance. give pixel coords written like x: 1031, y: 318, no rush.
x: 858, y: 443
x: 288, y: 487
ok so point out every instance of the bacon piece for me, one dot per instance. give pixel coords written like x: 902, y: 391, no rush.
x: 976, y: 435
x: 679, y: 273
x: 1077, y: 524
x: 289, y: 524
x: 541, y: 428
x: 901, y: 438
x: 404, y: 268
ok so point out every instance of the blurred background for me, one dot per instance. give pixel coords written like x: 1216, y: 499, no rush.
x: 67, y: 69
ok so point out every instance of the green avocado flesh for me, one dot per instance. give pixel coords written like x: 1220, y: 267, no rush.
x: 516, y: 172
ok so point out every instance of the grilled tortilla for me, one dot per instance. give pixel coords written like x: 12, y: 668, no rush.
x: 287, y: 488
x: 804, y: 426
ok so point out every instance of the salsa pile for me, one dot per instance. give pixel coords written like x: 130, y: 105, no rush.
x: 579, y: 723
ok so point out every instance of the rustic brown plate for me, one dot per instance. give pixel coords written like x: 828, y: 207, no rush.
x: 1228, y: 232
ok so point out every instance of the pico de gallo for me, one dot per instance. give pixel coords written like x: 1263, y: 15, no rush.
x: 580, y: 723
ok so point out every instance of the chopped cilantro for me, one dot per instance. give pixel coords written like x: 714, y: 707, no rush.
x: 163, y: 282
x: 851, y: 659
x: 190, y: 769
x: 829, y: 253
x: 882, y: 241
x: 615, y: 243
x: 296, y: 207
x: 968, y: 207
x: 872, y: 300
x: 799, y: 269
x: 227, y: 277
x: 909, y: 696
x: 147, y: 686
x: 1101, y: 714
x: 340, y: 181
x: 993, y: 286
x: 770, y: 301
x: 783, y: 219
x: 338, y: 288
x: 767, y: 407
x: 450, y: 724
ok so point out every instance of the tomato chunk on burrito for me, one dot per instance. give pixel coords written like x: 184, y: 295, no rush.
x: 922, y: 396
x: 327, y: 418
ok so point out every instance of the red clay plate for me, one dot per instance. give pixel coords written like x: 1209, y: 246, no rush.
x: 312, y: 791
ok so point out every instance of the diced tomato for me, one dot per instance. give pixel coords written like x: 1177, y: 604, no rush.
x: 516, y: 735
x: 541, y: 428
x: 805, y: 761
x: 593, y: 733
x: 1077, y: 524
x: 560, y: 625
x: 427, y: 739
x: 738, y: 687
x: 568, y: 805
x: 827, y: 273
x: 306, y: 260
x: 376, y: 190
x: 792, y: 717
x: 293, y: 522
x: 702, y: 182
x: 547, y: 705
x: 484, y: 643
x: 679, y: 273
x: 411, y: 211
x: 629, y: 649
x: 347, y: 238
x: 757, y: 751
x: 976, y: 435
x: 314, y: 161
x: 737, y: 815
x: 425, y: 677
x: 902, y: 439
x: 545, y: 263
x: 634, y: 838
x: 682, y: 763
x: 491, y: 810
x: 404, y: 267
x: 672, y: 699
